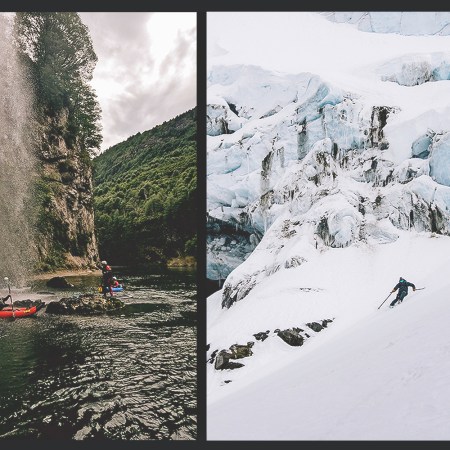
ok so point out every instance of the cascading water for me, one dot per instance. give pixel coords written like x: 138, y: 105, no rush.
x: 17, y: 163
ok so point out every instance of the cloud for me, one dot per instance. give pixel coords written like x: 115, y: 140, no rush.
x: 146, y: 70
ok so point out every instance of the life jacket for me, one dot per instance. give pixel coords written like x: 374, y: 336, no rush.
x: 106, y: 274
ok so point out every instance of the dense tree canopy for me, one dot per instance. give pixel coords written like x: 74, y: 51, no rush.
x: 63, y: 59
x: 145, y: 195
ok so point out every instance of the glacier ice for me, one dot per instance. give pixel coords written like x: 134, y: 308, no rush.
x: 326, y: 159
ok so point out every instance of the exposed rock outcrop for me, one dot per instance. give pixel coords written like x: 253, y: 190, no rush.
x: 85, y: 304
x: 66, y: 236
x: 295, y: 337
x: 222, y: 359
x: 59, y: 282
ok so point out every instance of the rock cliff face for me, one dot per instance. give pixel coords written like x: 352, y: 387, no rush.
x: 65, y: 223
x: 46, y: 204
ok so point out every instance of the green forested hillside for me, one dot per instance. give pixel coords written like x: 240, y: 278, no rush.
x: 145, y: 196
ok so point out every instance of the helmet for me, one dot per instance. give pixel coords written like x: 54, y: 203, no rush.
x: 401, y: 279
x: 114, y: 278
x: 104, y: 263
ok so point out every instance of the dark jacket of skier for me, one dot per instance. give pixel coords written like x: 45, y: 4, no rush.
x: 402, y: 287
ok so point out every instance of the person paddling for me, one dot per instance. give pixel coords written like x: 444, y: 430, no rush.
x: 8, y: 297
x: 402, y: 287
x: 4, y: 300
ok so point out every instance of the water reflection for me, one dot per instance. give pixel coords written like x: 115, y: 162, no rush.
x: 128, y: 375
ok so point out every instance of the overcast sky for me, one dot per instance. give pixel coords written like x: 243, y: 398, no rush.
x: 146, y: 69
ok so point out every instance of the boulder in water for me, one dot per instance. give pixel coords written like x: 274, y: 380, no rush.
x: 59, y: 282
x: 84, y: 304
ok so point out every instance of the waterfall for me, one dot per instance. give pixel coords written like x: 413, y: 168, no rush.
x: 17, y: 163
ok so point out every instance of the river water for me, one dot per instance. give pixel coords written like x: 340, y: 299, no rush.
x: 127, y: 375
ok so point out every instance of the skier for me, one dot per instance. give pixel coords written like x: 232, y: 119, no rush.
x: 402, y: 287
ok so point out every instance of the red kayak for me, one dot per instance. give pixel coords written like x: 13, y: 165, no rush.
x: 18, y: 312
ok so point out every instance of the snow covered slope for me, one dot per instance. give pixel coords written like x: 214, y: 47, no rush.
x: 328, y: 178
x: 379, y: 374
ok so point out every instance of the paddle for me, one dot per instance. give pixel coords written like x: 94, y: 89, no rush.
x: 9, y: 289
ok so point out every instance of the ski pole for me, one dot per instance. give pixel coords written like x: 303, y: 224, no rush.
x: 385, y: 300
